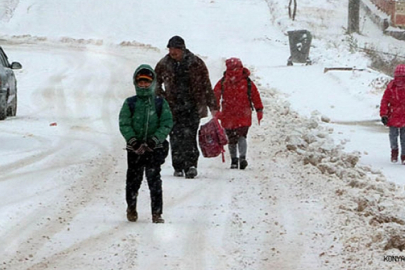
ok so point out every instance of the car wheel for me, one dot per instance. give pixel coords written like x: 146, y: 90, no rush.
x: 12, y: 110
x: 15, y: 106
x: 3, y: 107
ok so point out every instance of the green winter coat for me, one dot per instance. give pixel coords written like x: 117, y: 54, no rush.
x: 145, y: 123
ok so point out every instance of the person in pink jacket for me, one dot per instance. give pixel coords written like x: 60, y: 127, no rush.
x: 237, y: 96
x: 392, y: 112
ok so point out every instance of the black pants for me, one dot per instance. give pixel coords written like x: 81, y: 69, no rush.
x: 183, y: 141
x: 150, y: 163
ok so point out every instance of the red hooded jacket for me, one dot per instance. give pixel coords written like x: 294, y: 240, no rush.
x: 393, y: 100
x: 235, y: 110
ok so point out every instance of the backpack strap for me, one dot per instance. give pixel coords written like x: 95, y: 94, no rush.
x: 249, y: 90
x: 131, y: 103
x: 158, y: 105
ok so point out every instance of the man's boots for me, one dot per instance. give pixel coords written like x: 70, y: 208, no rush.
x: 394, y: 155
x: 403, y: 159
x: 191, y: 172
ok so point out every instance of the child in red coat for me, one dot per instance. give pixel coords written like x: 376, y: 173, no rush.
x: 237, y: 96
x: 392, y: 112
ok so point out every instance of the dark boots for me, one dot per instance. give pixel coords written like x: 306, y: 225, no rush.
x: 242, y: 163
x: 239, y: 161
x: 234, y: 163
x: 403, y: 159
x: 178, y: 173
x: 394, y: 155
x: 157, y: 218
x: 191, y: 172
x: 132, y: 215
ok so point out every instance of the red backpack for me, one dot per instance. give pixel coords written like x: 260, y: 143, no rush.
x: 212, y: 139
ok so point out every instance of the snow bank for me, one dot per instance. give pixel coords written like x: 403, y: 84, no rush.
x: 369, y: 209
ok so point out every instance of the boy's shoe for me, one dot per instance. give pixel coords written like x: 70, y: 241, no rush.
x: 403, y: 159
x: 157, y: 218
x: 234, y: 163
x: 191, y: 172
x: 132, y: 215
x: 178, y: 173
x: 394, y: 155
x: 242, y: 163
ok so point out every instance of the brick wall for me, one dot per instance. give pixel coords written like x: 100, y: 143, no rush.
x: 394, y: 8
x: 399, y: 14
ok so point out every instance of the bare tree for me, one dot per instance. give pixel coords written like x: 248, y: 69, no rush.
x: 292, y: 16
x: 354, y: 17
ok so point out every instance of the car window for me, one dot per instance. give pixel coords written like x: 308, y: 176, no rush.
x: 3, y: 59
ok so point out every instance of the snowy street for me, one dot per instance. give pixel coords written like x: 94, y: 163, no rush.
x: 319, y: 191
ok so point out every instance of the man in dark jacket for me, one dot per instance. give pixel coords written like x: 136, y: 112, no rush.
x: 183, y: 79
x: 145, y: 121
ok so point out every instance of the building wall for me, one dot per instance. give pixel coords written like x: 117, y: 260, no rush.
x: 394, y: 8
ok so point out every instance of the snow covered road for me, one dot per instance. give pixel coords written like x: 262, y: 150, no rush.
x: 67, y: 183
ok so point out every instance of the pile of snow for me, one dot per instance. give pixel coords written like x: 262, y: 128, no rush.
x: 368, y: 208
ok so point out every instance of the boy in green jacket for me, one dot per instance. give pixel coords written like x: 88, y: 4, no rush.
x: 145, y: 121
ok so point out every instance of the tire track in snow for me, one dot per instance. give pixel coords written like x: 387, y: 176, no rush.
x: 84, y: 189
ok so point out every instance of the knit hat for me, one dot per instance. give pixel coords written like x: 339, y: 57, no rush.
x: 176, y: 42
x: 144, y: 74
x: 233, y: 63
x: 399, y: 71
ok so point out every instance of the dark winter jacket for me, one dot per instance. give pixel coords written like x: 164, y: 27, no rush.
x: 144, y: 122
x: 185, y: 85
x: 235, y: 107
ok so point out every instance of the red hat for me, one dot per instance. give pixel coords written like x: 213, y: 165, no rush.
x: 233, y: 63
x: 399, y: 71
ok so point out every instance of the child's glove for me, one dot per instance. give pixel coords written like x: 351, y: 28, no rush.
x: 259, y: 115
x: 138, y: 147
x: 384, y: 120
x: 151, y: 143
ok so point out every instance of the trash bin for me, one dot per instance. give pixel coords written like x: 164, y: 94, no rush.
x: 300, y: 42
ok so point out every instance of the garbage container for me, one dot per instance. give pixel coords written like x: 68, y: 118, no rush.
x: 300, y: 42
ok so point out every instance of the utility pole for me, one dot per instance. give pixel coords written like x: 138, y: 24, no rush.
x: 354, y: 17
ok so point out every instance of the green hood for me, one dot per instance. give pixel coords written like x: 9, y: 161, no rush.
x: 145, y: 92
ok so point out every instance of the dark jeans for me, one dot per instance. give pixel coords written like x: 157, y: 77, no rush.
x: 394, y: 134
x: 149, y: 162
x: 183, y: 142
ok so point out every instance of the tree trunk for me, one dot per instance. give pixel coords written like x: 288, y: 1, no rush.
x: 292, y: 14
x: 354, y: 17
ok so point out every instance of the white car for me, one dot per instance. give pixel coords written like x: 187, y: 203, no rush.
x: 8, y: 86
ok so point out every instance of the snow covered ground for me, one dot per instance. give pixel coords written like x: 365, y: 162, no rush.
x: 319, y: 192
